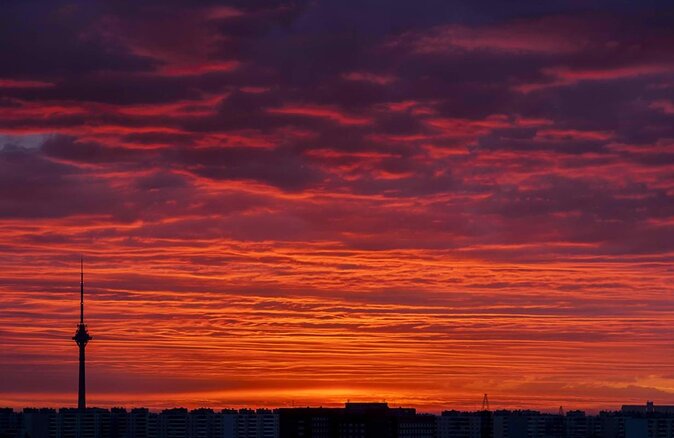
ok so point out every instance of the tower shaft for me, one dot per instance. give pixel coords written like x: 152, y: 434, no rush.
x: 82, y: 388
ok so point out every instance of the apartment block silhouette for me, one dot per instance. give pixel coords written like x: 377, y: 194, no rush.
x: 354, y: 420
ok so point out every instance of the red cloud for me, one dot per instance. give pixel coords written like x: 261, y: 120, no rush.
x: 17, y: 83
x: 321, y: 112
x: 378, y: 79
x: 555, y: 35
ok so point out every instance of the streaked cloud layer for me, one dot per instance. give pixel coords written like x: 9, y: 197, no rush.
x: 308, y: 202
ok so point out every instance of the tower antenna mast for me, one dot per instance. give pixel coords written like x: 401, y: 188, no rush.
x: 81, y: 289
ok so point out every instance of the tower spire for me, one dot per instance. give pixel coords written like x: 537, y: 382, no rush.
x: 81, y: 289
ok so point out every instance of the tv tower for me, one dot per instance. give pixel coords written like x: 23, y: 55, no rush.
x: 81, y: 338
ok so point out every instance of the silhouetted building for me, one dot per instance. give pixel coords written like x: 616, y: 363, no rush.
x: 203, y: 423
x: 142, y: 424
x: 579, y: 425
x: 260, y: 423
x: 90, y: 423
x: 649, y: 427
x: 530, y: 424
x: 39, y: 423
x: 417, y: 426
x: 9, y: 423
x: 648, y: 408
x: 174, y: 423
x: 228, y: 423
x: 308, y: 422
x: 455, y: 424
x: 119, y: 423
x: 356, y: 420
x: 645, y: 421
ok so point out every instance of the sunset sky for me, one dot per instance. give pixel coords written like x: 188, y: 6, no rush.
x: 306, y: 202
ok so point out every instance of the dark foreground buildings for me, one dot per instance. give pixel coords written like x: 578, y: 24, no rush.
x: 355, y: 420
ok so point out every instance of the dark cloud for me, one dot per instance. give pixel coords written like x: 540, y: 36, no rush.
x: 59, y: 39
x: 70, y: 149
x: 280, y: 168
x: 34, y: 187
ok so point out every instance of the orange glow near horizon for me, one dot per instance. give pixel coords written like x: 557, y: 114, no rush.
x: 235, y: 330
